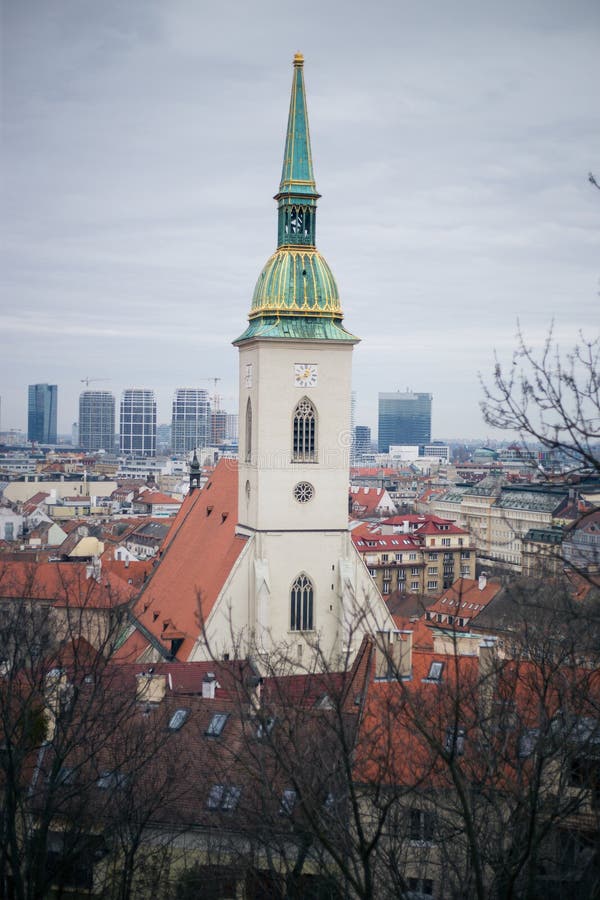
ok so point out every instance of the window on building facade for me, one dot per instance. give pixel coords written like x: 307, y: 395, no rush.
x: 301, y: 604
x: 445, y: 542
x: 414, y: 585
x: 224, y: 797
x: 248, y: 431
x: 421, y: 886
x: 386, y: 587
x: 304, y: 439
x: 432, y: 570
x: 412, y: 556
x: 414, y: 570
x: 432, y: 585
x: 433, y: 556
x: 465, y: 554
x: 421, y: 825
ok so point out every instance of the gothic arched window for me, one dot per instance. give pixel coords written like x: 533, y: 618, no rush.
x: 248, y: 456
x: 301, y: 604
x: 304, y: 439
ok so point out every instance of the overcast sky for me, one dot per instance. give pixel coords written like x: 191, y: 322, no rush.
x: 142, y: 144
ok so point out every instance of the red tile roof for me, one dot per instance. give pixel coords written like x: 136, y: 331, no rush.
x: 197, y: 557
x: 463, y: 600
x: 64, y: 584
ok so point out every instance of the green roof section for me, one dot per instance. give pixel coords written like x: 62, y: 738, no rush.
x: 297, y: 176
x: 294, y: 328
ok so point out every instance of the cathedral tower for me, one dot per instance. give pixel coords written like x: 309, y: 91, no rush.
x: 294, y: 414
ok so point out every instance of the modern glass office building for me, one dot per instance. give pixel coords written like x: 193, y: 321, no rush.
x: 404, y: 418
x: 190, y: 424
x: 41, y: 413
x: 97, y: 421
x: 138, y: 422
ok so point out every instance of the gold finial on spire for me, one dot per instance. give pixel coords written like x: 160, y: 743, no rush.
x: 298, y: 60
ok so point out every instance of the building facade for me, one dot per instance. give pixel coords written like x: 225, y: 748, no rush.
x: 42, y: 413
x: 97, y: 420
x: 404, y: 418
x: 361, y: 443
x: 190, y: 427
x: 423, y: 560
x: 138, y: 422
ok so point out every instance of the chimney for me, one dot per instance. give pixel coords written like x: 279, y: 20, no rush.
x: 209, y: 686
x: 150, y: 687
x: 482, y: 581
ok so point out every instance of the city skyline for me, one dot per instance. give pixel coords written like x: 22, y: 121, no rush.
x: 468, y: 134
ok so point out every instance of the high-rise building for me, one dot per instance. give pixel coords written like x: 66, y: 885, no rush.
x: 138, y: 422
x: 218, y: 427
x: 41, y: 413
x: 362, y: 442
x: 404, y: 418
x: 97, y: 420
x: 190, y: 427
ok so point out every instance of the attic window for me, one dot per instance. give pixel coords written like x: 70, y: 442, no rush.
x: 224, y: 517
x: 112, y: 779
x: 435, y: 672
x: 209, y: 509
x: 216, y: 724
x: 65, y: 775
x: 455, y: 741
x: 265, y: 728
x: 178, y: 718
x: 288, y: 801
x: 224, y: 797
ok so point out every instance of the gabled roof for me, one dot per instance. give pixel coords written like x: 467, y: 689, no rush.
x: 465, y: 599
x: 194, y: 563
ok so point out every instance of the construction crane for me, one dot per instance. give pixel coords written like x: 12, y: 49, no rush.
x: 87, y: 380
x: 215, y: 399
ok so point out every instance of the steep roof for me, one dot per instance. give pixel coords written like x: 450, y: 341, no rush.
x: 194, y: 563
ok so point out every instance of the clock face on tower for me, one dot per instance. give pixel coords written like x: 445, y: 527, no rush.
x: 305, y: 375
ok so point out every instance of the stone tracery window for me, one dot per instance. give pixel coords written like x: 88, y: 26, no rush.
x: 301, y: 604
x: 304, y: 440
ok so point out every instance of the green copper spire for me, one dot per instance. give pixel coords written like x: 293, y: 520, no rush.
x: 297, y: 175
x: 296, y: 295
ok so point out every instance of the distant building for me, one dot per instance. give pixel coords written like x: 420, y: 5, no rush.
x: 404, y: 418
x: 437, y: 450
x: 190, y: 425
x: 163, y: 437
x: 41, y: 413
x: 138, y: 422
x: 361, y: 442
x: 218, y: 427
x: 232, y: 427
x: 97, y: 420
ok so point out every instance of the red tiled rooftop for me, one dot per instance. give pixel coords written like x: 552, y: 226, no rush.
x: 197, y: 557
